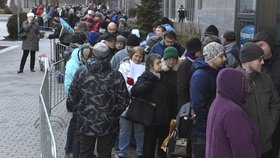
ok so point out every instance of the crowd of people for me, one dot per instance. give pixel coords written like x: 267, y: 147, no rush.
x: 233, y: 92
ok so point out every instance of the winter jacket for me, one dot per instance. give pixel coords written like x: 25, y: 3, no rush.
x: 118, y: 58
x: 169, y: 79
x: 263, y: 106
x: 98, y: 95
x: 151, y: 88
x: 271, y: 67
x: 31, y: 42
x: 95, y: 27
x: 72, y: 66
x: 230, y: 131
x: 92, y: 37
x: 159, y: 48
x: 184, y: 74
x: 203, y: 92
x: 62, y: 34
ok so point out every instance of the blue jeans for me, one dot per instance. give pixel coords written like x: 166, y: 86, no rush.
x: 125, y: 135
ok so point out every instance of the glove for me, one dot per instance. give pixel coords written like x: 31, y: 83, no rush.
x: 130, y: 81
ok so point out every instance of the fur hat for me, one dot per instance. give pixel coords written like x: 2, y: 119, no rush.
x: 263, y: 36
x: 193, y: 45
x: 211, y: 30
x: 249, y: 52
x: 101, y: 50
x: 212, y: 50
x: 132, y: 40
x: 170, y: 52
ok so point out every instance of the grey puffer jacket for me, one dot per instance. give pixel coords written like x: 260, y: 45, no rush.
x: 98, y: 95
x: 31, y: 42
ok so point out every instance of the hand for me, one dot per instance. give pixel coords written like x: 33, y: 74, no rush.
x: 130, y: 81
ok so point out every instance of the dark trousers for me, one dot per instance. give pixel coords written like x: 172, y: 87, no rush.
x: 24, y: 57
x: 154, y: 135
x: 198, y: 147
x: 276, y: 141
x: 104, y: 145
x: 70, y: 134
x: 268, y: 154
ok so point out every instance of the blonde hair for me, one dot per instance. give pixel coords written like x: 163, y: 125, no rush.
x: 137, y: 49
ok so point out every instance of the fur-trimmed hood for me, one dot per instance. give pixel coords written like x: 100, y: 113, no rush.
x: 165, y: 68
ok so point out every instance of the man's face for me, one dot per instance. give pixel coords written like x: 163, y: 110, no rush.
x: 159, y: 32
x: 255, y: 65
x: 219, y: 62
x: 168, y: 41
x: 266, y: 49
x: 112, y: 28
x: 156, y: 67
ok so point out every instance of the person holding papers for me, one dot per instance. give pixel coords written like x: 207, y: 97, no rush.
x: 131, y: 68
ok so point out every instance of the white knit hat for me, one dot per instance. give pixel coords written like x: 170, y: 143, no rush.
x: 212, y: 50
x: 30, y: 14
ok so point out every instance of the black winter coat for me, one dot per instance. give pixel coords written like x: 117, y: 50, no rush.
x: 151, y: 88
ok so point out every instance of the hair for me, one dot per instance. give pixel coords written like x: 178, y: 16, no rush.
x: 79, y: 37
x: 82, y: 26
x: 134, y: 50
x: 170, y: 35
x: 86, y: 51
x: 150, y: 60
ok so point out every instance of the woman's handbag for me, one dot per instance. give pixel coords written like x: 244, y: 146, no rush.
x: 179, y: 146
x: 141, y: 111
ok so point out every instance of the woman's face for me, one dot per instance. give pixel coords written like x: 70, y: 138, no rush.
x: 137, y: 57
x: 156, y: 67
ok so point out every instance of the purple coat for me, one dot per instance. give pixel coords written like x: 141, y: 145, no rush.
x: 230, y: 132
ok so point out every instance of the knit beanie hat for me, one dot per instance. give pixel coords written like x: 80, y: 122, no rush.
x: 211, y: 30
x: 263, y: 36
x: 170, y: 52
x: 132, y: 40
x: 121, y: 39
x: 30, y: 14
x: 101, y: 50
x: 212, y: 50
x: 193, y: 45
x: 250, y: 52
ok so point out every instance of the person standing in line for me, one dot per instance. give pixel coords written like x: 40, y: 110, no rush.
x: 226, y: 117
x: 30, y: 43
x: 262, y: 102
x: 181, y: 12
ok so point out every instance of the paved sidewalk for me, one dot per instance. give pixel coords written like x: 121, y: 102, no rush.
x: 19, y: 102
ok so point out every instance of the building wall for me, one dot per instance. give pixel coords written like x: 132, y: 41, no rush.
x: 220, y: 13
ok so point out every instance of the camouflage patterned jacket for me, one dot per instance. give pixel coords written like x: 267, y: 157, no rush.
x: 98, y: 95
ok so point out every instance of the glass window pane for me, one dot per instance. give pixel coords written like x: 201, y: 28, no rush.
x: 247, y: 6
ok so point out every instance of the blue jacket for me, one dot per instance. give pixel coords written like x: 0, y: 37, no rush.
x: 159, y: 47
x: 203, y: 92
x: 72, y: 66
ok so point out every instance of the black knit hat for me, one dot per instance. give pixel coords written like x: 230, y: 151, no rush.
x: 249, y: 52
x: 132, y: 40
x: 263, y: 36
x: 193, y: 45
x: 211, y: 30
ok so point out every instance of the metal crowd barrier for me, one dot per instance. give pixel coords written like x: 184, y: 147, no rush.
x: 47, y: 141
x: 57, y: 50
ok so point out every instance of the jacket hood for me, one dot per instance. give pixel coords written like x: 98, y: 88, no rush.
x: 76, y: 55
x: 97, y: 65
x: 200, y: 63
x: 235, y: 92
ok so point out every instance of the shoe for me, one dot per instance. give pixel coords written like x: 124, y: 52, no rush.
x: 19, y: 71
x: 32, y: 70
